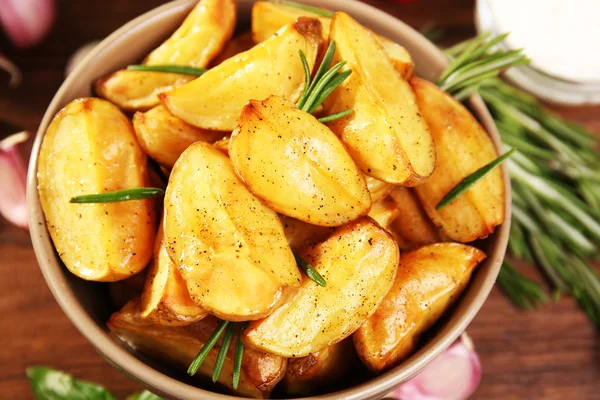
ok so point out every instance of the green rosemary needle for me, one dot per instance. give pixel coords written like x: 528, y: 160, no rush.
x: 304, y: 7
x: 472, y: 180
x: 223, y: 352
x: 310, y: 271
x: 205, y: 350
x: 173, y: 69
x: 336, y: 116
x: 237, y: 358
x: 119, y: 195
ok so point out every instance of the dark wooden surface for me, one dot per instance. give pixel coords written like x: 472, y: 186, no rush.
x: 550, y: 354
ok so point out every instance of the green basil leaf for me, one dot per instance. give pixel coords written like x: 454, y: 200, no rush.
x: 50, y: 384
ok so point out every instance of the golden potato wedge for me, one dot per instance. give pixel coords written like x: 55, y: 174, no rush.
x: 429, y: 280
x: 90, y: 147
x: 223, y: 145
x: 165, y: 299
x: 164, y: 137
x: 197, y: 41
x: 377, y: 189
x: 179, y: 345
x: 386, y: 135
x: 384, y: 212
x: 215, y: 100
x: 235, y: 46
x: 230, y: 248
x: 359, y: 262
x: 463, y: 147
x: 300, y: 234
x: 268, y: 17
x: 306, y: 173
x: 412, y: 228
x: 320, y: 370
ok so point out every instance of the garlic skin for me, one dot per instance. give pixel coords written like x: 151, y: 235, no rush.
x: 10, y: 68
x: 13, y: 176
x: 27, y: 22
x: 454, y: 375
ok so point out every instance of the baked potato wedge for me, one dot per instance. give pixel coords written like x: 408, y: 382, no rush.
x: 215, y: 100
x: 164, y: 137
x: 429, y: 280
x: 90, y: 147
x: 229, y: 247
x: 377, y: 189
x: 386, y: 135
x: 223, y: 145
x: 301, y: 234
x: 412, y: 228
x: 384, y: 212
x: 463, y: 147
x: 165, y: 299
x: 358, y: 262
x: 197, y: 41
x: 179, y: 345
x: 268, y: 17
x: 306, y: 173
x: 235, y: 46
x: 320, y: 370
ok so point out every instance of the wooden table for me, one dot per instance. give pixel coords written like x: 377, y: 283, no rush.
x: 551, y: 354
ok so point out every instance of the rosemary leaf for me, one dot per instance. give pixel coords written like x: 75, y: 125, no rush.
x: 320, y: 85
x: 523, y: 292
x: 315, y: 10
x: 306, y: 79
x: 223, y: 351
x: 119, y: 195
x: 310, y: 271
x: 336, y: 116
x: 237, y: 359
x: 172, y: 69
x: 333, y: 84
x: 325, y: 64
x: 472, y: 180
x: 205, y: 350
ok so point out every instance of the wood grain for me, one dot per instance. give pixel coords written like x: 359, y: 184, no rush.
x: 550, y: 354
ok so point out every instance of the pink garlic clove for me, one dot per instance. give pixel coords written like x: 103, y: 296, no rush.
x: 27, y: 22
x: 13, y: 176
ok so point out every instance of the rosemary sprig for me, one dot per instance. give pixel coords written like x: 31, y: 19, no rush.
x: 205, y: 350
x: 471, y: 180
x: 172, y: 69
x: 336, y: 116
x: 223, y: 352
x: 310, y: 271
x: 315, y: 10
x: 237, y: 358
x: 119, y: 195
x: 555, y: 176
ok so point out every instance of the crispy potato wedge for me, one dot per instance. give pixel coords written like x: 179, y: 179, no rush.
x: 165, y: 299
x: 90, y: 147
x: 384, y: 212
x: 320, y: 370
x: 463, y: 146
x: 197, y: 41
x: 359, y: 262
x: 179, y: 345
x: 268, y: 17
x: 429, y: 280
x: 377, y: 189
x: 230, y: 248
x: 164, y: 137
x: 306, y: 174
x: 301, y: 234
x: 223, y: 145
x: 412, y: 228
x: 386, y: 135
x: 235, y: 46
x: 215, y: 100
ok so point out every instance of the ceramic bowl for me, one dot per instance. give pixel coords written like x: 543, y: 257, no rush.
x: 87, y: 304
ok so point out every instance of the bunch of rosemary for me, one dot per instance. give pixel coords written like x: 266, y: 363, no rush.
x: 555, y: 179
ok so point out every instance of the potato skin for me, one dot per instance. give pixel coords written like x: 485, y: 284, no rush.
x: 90, y: 148
x: 429, y: 280
x: 412, y: 228
x: 180, y: 344
x: 320, y: 370
x: 216, y: 99
x: 462, y: 146
x: 386, y: 135
x: 358, y: 262
x: 164, y: 137
x: 229, y: 247
x: 198, y: 40
x: 269, y: 17
x: 165, y: 299
x: 306, y: 173
x: 384, y: 212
